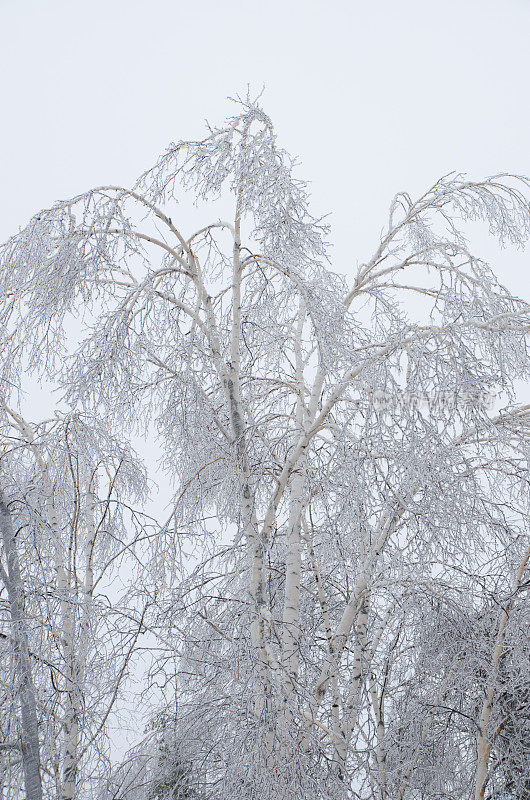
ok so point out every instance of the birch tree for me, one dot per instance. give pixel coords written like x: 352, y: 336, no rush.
x: 22, y: 683
x: 69, y: 481
x: 337, y: 466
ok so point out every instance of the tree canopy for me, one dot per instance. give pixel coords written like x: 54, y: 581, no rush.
x: 336, y: 603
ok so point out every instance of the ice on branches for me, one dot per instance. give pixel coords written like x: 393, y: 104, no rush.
x: 339, y: 587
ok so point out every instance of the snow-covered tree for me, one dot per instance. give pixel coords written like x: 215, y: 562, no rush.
x: 21, y: 686
x: 68, y: 482
x: 342, y: 483
x: 154, y: 769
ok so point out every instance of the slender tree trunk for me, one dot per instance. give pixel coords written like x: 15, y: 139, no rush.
x: 362, y: 584
x: 256, y: 539
x: 67, y: 638
x: 67, y: 615
x: 71, y: 713
x: 23, y: 676
x: 483, y: 741
x: 293, y: 562
x: 76, y: 662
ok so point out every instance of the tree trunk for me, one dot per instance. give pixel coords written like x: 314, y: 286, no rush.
x: 483, y: 739
x: 293, y: 562
x: 26, y: 689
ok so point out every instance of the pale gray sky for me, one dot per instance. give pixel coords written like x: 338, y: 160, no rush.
x: 374, y: 97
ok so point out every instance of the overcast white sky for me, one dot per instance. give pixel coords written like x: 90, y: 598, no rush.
x: 374, y: 97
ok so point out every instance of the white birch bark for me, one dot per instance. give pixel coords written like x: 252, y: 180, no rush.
x: 23, y: 676
x: 361, y: 586
x: 339, y: 741
x: 293, y: 563
x: 77, y: 661
x: 70, y: 699
x: 484, y: 743
x: 257, y: 542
